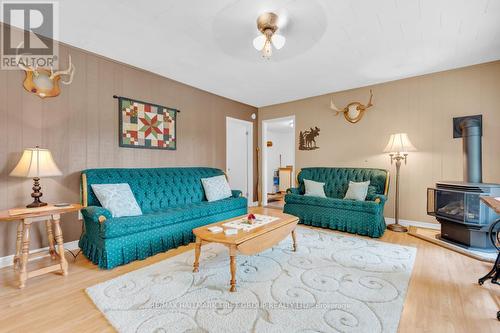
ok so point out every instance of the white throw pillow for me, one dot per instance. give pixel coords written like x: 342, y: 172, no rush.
x: 117, y: 198
x: 357, y: 191
x: 216, y: 188
x: 314, y: 189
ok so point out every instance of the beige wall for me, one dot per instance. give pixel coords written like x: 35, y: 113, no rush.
x: 80, y: 127
x: 421, y: 106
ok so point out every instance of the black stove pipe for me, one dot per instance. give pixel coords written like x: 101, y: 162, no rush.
x: 471, y: 136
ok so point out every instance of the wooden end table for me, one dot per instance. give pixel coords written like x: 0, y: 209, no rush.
x: 247, y: 242
x: 49, y: 214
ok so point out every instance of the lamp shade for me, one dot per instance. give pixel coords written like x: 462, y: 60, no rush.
x: 399, y: 143
x: 259, y: 42
x: 278, y: 41
x: 36, y: 162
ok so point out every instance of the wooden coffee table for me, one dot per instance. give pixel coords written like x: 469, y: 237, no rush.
x: 247, y: 242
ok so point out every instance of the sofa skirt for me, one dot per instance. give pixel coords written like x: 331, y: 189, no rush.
x: 112, y: 252
x: 355, y: 222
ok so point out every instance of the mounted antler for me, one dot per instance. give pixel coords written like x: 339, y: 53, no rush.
x: 370, y: 100
x: 335, y: 108
x: 42, y: 81
x: 354, y: 111
x: 21, y: 64
x: 69, y: 71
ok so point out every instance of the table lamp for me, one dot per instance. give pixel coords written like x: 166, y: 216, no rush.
x: 398, y: 147
x: 35, y: 163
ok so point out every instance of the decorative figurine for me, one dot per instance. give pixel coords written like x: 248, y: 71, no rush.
x: 251, y: 219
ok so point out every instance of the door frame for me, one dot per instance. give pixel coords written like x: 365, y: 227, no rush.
x: 249, y: 127
x: 264, y: 173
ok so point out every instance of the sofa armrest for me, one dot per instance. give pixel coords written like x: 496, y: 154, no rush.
x: 96, y: 214
x: 293, y: 190
x: 379, y: 198
x: 236, y: 193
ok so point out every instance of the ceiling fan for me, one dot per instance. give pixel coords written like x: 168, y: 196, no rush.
x: 267, y: 24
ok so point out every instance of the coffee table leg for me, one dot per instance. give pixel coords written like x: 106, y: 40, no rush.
x: 232, y: 264
x: 294, y: 238
x: 197, y: 251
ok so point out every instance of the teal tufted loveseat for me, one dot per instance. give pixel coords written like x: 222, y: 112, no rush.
x: 172, y: 201
x: 360, y: 217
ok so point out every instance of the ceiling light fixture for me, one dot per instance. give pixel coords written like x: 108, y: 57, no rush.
x: 267, y: 24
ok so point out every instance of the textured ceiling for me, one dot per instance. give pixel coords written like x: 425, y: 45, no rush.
x: 331, y: 45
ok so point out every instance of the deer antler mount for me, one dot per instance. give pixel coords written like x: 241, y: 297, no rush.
x: 45, y: 82
x: 354, y: 111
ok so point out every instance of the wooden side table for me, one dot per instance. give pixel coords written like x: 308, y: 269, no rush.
x: 49, y: 214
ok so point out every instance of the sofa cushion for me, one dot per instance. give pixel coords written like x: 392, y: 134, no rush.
x: 357, y: 190
x: 117, y: 198
x: 365, y: 206
x: 314, y: 189
x: 216, y: 188
x: 120, y: 226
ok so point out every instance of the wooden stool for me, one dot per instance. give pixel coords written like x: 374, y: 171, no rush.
x: 51, y: 215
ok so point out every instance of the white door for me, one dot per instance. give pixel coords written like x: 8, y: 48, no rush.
x: 239, y: 156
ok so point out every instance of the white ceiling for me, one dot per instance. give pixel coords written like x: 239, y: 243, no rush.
x: 332, y: 45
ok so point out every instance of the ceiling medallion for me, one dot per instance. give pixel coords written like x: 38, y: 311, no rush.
x: 267, y: 24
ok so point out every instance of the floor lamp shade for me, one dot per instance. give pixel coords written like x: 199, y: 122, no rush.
x: 399, y: 143
x: 36, y: 163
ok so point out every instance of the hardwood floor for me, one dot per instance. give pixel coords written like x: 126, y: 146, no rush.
x: 443, y: 295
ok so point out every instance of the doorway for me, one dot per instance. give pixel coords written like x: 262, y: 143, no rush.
x: 278, y: 159
x: 239, y: 156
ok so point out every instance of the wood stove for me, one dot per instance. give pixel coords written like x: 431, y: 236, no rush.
x: 464, y: 218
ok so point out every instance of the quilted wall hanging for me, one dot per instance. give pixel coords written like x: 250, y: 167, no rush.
x: 146, y: 125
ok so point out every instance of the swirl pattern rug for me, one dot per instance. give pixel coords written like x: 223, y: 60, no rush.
x: 333, y: 283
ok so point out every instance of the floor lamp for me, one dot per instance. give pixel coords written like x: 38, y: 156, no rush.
x: 398, y: 147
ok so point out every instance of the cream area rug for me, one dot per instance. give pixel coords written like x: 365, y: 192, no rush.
x: 333, y: 283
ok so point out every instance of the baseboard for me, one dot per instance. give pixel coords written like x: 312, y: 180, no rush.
x: 407, y: 223
x: 7, y: 260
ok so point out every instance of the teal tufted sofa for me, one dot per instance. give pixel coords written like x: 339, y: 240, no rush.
x: 172, y: 201
x: 360, y: 217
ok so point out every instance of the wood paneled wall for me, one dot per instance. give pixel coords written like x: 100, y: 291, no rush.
x: 422, y: 106
x: 80, y: 127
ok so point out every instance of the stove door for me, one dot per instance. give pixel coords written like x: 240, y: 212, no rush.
x: 450, y: 205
